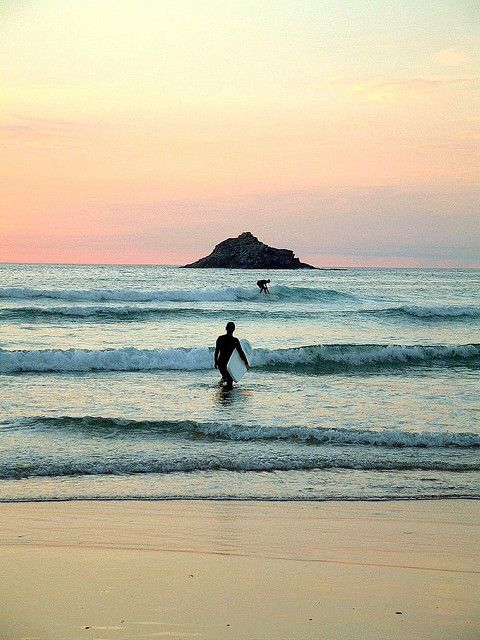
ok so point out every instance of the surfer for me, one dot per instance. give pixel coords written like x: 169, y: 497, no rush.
x: 224, y: 348
x: 262, y: 285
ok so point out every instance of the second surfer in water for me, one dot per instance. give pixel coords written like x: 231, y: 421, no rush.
x: 224, y: 348
x: 262, y: 285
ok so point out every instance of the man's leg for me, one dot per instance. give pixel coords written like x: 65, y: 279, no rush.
x: 225, y: 375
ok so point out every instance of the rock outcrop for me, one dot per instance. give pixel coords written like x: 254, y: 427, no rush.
x: 247, y: 252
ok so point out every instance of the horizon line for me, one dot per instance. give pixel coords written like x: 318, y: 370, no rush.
x: 156, y: 264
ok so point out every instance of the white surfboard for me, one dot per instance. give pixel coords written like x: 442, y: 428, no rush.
x: 236, y: 366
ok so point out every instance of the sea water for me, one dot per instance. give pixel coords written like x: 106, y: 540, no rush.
x: 364, y: 384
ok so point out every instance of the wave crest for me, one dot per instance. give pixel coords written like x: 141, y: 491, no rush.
x: 310, y: 359
x: 126, y: 467
x: 433, y: 312
x: 227, y: 294
x: 395, y: 438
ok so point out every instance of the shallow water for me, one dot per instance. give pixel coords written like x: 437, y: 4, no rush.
x: 364, y: 384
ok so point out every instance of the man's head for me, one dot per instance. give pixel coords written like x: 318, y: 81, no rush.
x: 230, y: 327
x: 268, y: 280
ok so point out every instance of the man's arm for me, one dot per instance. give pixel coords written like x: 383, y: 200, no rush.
x: 241, y: 353
x: 217, y: 353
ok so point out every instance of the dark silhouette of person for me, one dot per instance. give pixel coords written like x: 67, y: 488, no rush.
x: 262, y: 285
x: 224, y: 348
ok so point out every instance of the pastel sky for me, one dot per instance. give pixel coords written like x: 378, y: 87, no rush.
x: 146, y: 131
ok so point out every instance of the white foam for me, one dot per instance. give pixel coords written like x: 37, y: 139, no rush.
x: 227, y: 294
x: 128, y: 359
x: 313, y: 357
x: 122, y: 427
x: 357, y: 355
x: 441, y: 311
x: 89, y: 310
x: 386, y: 438
x: 132, y: 295
x: 125, y: 466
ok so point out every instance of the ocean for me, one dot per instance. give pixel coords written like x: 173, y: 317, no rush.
x: 364, y: 384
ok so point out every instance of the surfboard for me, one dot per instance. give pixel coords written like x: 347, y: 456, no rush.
x: 236, y: 366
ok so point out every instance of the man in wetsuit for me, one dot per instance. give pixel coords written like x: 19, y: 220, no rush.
x: 262, y: 285
x: 224, y: 348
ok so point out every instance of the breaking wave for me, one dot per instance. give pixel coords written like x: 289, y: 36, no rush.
x: 397, y: 438
x: 432, y: 313
x: 309, y: 359
x: 135, y: 312
x: 227, y: 294
x: 132, y: 466
x: 120, y: 313
x: 127, y: 313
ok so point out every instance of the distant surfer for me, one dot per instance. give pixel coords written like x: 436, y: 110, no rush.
x: 262, y: 285
x: 224, y: 348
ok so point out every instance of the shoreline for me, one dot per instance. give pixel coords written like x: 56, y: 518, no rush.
x: 307, y: 500
x: 240, y: 569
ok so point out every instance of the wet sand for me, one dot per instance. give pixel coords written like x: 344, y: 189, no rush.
x: 196, y: 569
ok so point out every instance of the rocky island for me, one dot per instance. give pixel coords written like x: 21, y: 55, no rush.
x: 247, y: 252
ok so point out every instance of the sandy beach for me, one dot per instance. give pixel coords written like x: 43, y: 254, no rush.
x: 207, y: 569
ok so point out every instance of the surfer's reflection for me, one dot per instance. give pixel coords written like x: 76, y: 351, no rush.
x: 225, y: 397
